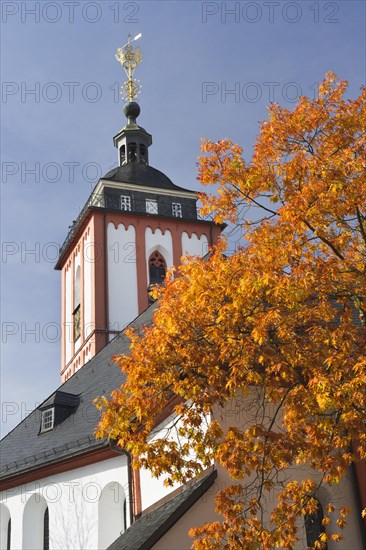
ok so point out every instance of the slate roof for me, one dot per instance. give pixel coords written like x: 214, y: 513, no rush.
x: 149, y: 528
x: 25, y: 448
x: 61, y: 398
x: 144, y: 175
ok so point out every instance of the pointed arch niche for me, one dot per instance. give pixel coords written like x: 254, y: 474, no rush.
x: 36, y: 524
x: 5, y: 527
x: 112, y: 514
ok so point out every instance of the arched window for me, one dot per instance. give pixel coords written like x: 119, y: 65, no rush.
x: 314, y: 526
x: 8, y: 536
x: 157, y: 268
x: 122, y: 155
x: 46, y: 530
x: 5, y: 527
x: 143, y: 153
x: 111, y: 514
x: 36, y: 533
x: 132, y: 152
x: 157, y: 271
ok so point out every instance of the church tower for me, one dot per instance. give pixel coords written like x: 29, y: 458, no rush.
x: 135, y: 225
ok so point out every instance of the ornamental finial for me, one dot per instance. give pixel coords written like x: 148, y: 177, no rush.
x: 130, y: 58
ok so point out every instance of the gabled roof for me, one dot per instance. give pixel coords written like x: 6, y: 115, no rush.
x: 25, y: 449
x: 150, y: 527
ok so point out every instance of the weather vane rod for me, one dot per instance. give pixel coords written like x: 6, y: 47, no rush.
x: 130, y: 58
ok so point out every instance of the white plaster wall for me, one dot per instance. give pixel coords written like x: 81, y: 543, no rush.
x: 87, y: 288
x: 122, y: 276
x: 152, y: 488
x: 161, y: 243
x: 72, y: 498
x: 68, y: 316
x: 194, y: 246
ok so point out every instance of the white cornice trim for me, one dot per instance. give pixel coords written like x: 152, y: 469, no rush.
x: 134, y: 187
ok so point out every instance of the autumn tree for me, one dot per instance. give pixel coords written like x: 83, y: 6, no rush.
x: 279, y: 324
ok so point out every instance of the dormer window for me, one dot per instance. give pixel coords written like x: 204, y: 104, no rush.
x: 59, y: 406
x: 177, y: 209
x: 151, y: 206
x: 48, y: 419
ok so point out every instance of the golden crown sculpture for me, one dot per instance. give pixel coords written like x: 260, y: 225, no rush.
x: 130, y: 58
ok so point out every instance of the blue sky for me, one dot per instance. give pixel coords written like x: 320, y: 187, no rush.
x: 210, y: 69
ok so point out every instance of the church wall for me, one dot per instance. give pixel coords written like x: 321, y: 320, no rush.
x: 152, y: 488
x: 73, y: 500
x: 115, y: 247
x: 122, y: 275
x: 84, y: 255
x: 203, y: 511
x: 238, y: 413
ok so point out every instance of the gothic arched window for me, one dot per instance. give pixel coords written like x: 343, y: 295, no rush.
x: 157, y: 268
x: 157, y: 271
x: 314, y: 526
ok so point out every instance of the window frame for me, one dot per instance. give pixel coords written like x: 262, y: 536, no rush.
x: 44, y: 421
x: 150, y: 203
x: 177, y: 210
x: 124, y: 202
x: 76, y: 316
